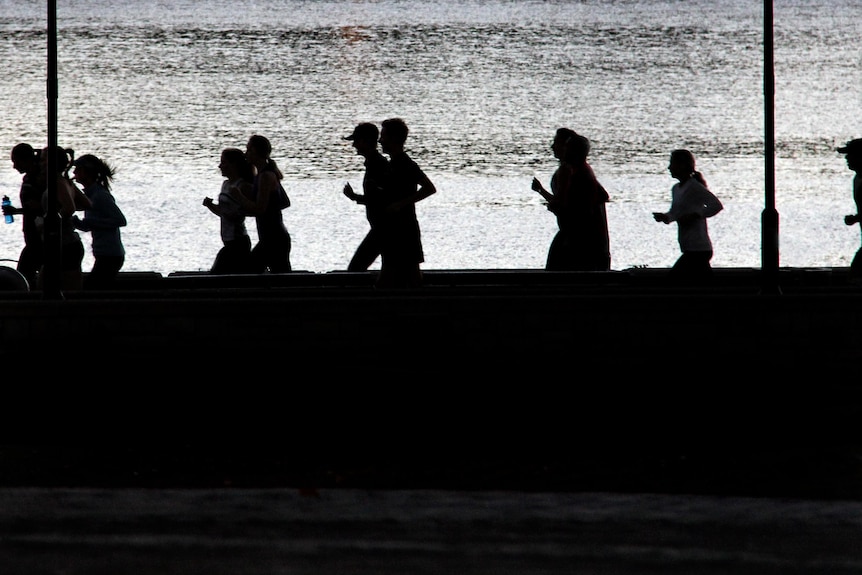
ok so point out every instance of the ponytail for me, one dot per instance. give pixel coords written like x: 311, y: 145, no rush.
x: 101, y: 170
x: 70, y: 161
x: 271, y: 165
x: 686, y: 158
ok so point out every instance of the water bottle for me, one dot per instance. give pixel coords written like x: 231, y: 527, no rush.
x: 9, y: 217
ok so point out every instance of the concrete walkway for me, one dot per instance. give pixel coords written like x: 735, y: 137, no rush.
x: 99, y: 509
x: 230, y: 531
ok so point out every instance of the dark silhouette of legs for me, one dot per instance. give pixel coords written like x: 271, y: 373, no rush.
x: 366, y: 253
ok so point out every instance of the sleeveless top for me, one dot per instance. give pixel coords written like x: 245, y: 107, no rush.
x: 270, y: 224
x: 67, y: 229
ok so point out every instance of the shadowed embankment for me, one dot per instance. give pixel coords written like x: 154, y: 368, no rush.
x: 564, y: 382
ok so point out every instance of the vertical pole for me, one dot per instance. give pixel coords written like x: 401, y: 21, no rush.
x: 51, y: 270
x: 769, y: 218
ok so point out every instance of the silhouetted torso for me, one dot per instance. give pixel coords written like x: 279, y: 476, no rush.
x: 273, y: 248
x: 32, y: 255
x: 374, y: 187
x: 402, y: 240
x: 582, y: 243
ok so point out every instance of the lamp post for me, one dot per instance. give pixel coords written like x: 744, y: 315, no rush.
x: 769, y: 217
x: 53, y: 245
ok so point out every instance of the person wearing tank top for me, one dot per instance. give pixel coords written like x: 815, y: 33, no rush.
x: 272, y: 251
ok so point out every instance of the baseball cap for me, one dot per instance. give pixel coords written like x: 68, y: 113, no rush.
x: 364, y: 131
x: 853, y: 146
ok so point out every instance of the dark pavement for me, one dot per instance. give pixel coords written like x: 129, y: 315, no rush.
x: 231, y: 531
x: 99, y: 509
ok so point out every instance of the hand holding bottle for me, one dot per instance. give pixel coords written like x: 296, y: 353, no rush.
x: 8, y: 210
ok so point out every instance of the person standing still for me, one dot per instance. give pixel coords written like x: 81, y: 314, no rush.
x: 103, y: 219
x: 401, y: 247
x: 265, y: 201
x: 691, y: 204
x: 25, y: 159
x: 853, y: 152
x: 234, y: 257
x: 364, y: 138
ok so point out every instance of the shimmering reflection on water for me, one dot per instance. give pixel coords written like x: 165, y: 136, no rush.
x: 160, y: 89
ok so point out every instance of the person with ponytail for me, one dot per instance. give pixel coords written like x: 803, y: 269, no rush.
x: 69, y: 199
x: 103, y: 219
x: 25, y: 159
x: 691, y: 204
x: 234, y: 257
x: 265, y: 200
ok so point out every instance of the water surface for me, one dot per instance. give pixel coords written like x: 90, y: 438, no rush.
x: 160, y: 88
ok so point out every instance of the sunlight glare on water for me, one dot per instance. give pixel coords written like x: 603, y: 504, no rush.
x: 160, y: 88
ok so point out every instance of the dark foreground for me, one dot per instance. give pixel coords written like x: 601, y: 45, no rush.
x: 829, y: 471
x: 104, y: 508
x: 490, y: 422
x: 383, y: 532
x: 480, y: 380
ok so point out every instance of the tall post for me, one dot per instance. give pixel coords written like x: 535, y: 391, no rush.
x: 769, y: 218
x: 51, y: 271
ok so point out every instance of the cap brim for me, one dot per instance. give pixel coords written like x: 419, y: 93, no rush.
x: 350, y: 137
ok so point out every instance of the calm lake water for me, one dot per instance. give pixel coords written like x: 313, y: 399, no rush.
x: 158, y: 89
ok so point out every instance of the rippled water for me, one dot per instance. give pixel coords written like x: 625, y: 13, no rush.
x: 160, y: 88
